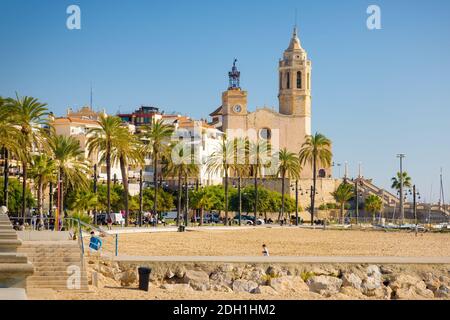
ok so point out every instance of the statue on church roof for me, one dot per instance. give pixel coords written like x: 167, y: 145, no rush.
x: 234, y: 77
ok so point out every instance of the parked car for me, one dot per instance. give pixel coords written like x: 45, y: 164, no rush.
x: 212, y: 218
x: 248, y: 220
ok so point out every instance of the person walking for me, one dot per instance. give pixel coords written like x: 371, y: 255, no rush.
x: 265, y: 251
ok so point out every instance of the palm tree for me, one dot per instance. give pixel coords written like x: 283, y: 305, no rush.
x: 201, y: 200
x: 240, y: 168
x: 9, y: 135
x: 31, y: 117
x: 373, y: 204
x: 43, y: 171
x: 407, y: 182
x: 288, y: 166
x: 72, y: 168
x: 316, y: 150
x: 342, y: 195
x: 102, y: 141
x: 157, y: 136
x: 127, y: 150
x: 180, y: 165
x: 258, y: 159
x: 220, y: 161
x: 84, y: 201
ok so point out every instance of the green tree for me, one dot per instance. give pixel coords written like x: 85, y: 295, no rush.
x: 157, y: 137
x: 42, y: 171
x: 240, y: 167
x: 30, y: 116
x: 259, y: 158
x: 101, y: 141
x: 201, y: 199
x: 316, y: 151
x: 220, y: 161
x: 164, y: 200
x: 373, y: 204
x: 407, y: 182
x: 72, y: 168
x: 288, y: 167
x: 342, y: 195
x: 15, y: 196
x: 180, y: 164
x: 83, y: 201
x: 127, y: 150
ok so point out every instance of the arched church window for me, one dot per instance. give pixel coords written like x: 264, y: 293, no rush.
x: 288, y: 80
x: 322, y: 173
x: 299, y: 80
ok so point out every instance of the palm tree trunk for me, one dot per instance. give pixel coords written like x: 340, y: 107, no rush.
x: 24, y: 188
x: 155, y: 183
x: 39, y: 198
x: 240, y: 199
x: 281, y: 214
x: 6, y: 178
x: 313, y: 191
x: 179, y: 198
x: 226, y: 195
x: 61, y: 174
x: 123, y: 170
x: 108, y: 180
x: 256, y: 192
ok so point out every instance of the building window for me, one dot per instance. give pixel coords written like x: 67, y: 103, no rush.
x: 288, y: 80
x: 299, y: 80
x: 322, y: 173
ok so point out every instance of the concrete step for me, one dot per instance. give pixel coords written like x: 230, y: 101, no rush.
x: 49, y: 279
x: 12, y: 257
x: 55, y: 273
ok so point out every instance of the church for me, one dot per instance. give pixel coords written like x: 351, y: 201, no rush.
x: 286, y: 128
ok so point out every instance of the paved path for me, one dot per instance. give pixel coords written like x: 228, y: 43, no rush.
x: 273, y: 259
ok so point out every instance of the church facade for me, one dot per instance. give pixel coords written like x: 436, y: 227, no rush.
x: 286, y: 128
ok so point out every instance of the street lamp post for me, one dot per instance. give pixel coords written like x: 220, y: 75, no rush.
x: 141, y: 198
x: 95, y: 192
x: 401, y: 156
x: 415, y: 194
x: 296, y: 203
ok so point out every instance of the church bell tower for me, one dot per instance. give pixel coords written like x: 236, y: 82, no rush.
x: 295, y: 80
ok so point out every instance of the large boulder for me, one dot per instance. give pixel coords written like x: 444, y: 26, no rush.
x: 409, y: 287
x: 443, y: 292
x: 198, y: 280
x: 257, y: 275
x: 266, y: 290
x: 244, y: 286
x: 352, y: 293
x: 351, y: 280
x: 220, y: 278
x: 128, y: 277
x: 288, y: 283
x: 324, y: 284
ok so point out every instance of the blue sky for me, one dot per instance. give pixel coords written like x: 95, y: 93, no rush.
x: 375, y: 93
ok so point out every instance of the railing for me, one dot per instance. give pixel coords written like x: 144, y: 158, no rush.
x: 74, y: 226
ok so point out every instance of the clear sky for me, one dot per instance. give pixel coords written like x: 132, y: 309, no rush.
x: 375, y: 93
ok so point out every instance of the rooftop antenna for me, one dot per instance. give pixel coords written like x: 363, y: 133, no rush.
x: 91, y: 98
x: 441, y: 193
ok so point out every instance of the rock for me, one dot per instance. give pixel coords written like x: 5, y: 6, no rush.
x: 351, y: 280
x: 412, y: 293
x: 244, y: 286
x: 386, y: 270
x: 226, y: 267
x: 170, y: 274
x: 198, y: 280
x: 257, y: 275
x: 443, y: 292
x: 325, y: 271
x: 222, y: 278
x: 373, y: 271
x: 180, y: 271
x: 370, y: 284
x: 178, y: 287
x: 288, y: 283
x: 432, y: 282
x: 128, y: 277
x: 380, y: 293
x: 323, y: 284
x: 275, y: 271
x: 405, y: 281
x: 444, y: 280
x: 266, y: 290
x: 352, y: 292
x: 220, y: 288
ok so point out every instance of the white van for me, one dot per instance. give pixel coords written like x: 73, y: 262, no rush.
x: 117, y: 218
